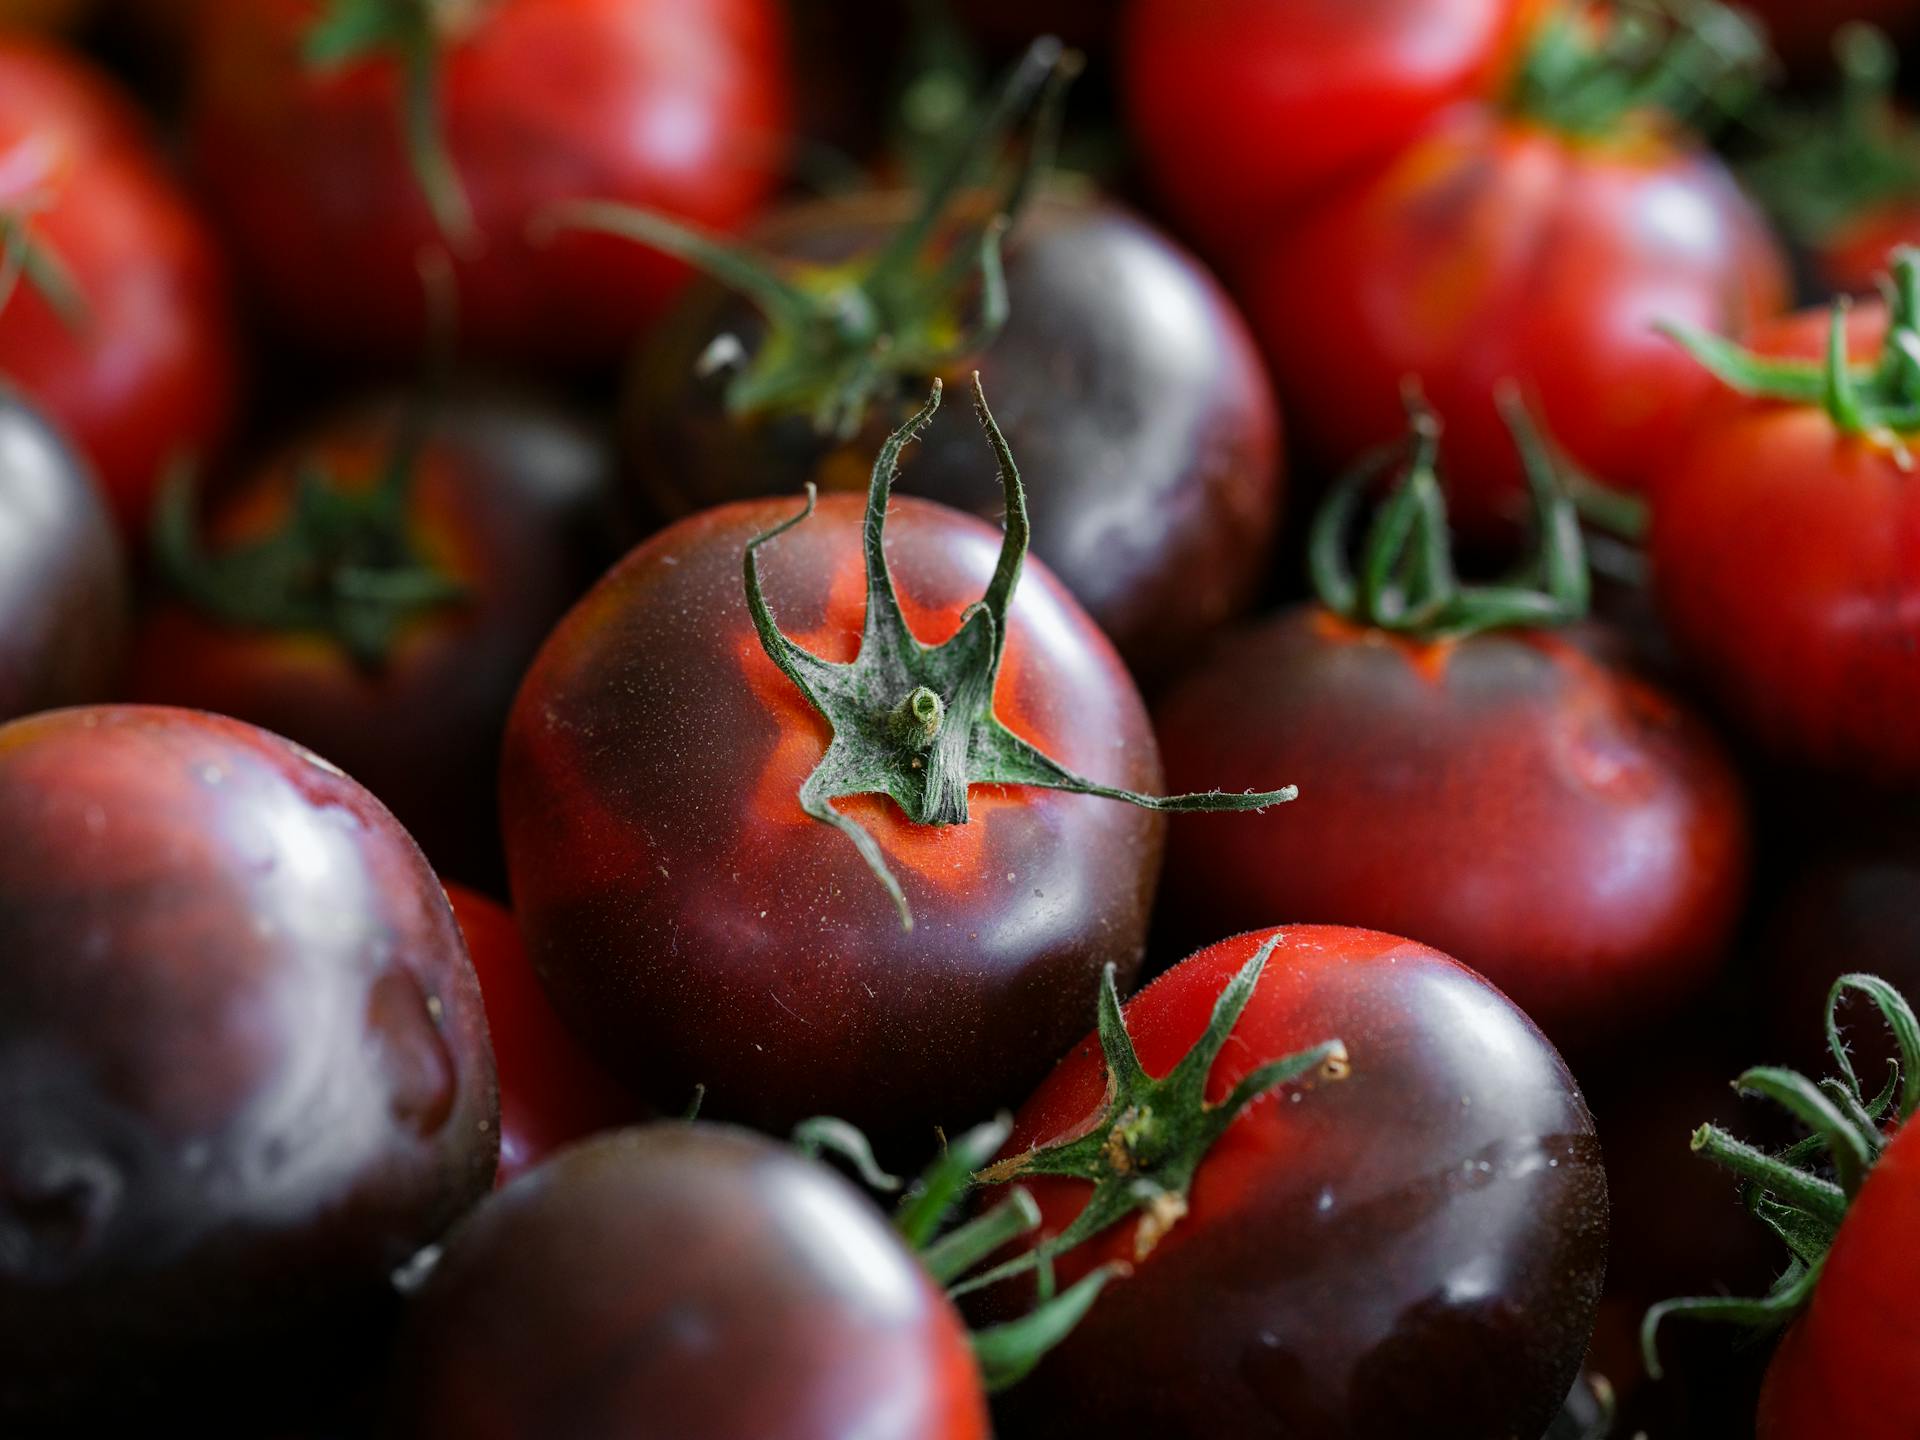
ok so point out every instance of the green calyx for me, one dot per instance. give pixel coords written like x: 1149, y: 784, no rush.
x: 26, y: 259
x: 841, y: 337
x: 1407, y: 583
x: 1802, y: 1193
x: 915, y: 722
x: 1825, y: 168
x: 344, y: 564
x: 412, y: 34
x: 1694, y: 62
x: 1880, y: 402
x: 1143, y: 1152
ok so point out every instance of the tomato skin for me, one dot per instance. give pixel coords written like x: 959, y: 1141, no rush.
x: 1491, y: 250
x: 1125, y: 379
x: 1819, y: 663
x: 1852, y: 259
x: 243, y: 1066
x: 1846, y: 1366
x: 676, y: 104
x: 509, y: 501
x: 63, y: 583
x: 151, y: 375
x: 694, y: 925
x: 689, y: 1280
x: 1570, y: 832
x: 551, y: 1094
x: 1208, y: 87
x: 1335, y: 1276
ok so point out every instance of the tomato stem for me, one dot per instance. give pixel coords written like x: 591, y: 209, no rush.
x: 915, y: 722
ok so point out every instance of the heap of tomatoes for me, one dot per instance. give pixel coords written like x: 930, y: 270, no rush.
x: 777, y: 720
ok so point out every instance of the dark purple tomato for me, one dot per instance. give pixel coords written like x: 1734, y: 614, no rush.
x: 507, y: 504
x: 63, y: 586
x: 695, y: 926
x: 1125, y: 380
x: 243, y: 1067
x: 1567, y: 830
x: 688, y: 1281
x: 1416, y: 1249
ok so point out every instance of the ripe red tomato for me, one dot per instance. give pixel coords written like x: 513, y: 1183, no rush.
x: 684, y: 1280
x: 1497, y: 247
x: 243, y: 1069
x: 1210, y: 88
x: 506, y: 505
x: 551, y: 1094
x: 1423, y: 1239
x: 137, y: 362
x: 681, y: 106
x: 63, y: 584
x: 1822, y: 661
x: 694, y: 925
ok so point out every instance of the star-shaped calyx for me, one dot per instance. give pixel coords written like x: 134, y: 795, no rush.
x: 916, y: 722
x: 1143, y: 1152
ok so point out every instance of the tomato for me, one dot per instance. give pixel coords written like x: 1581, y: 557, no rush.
x: 687, y: 1280
x: 1822, y: 662
x: 551, y: 1094
x: 1416, y: 1249
x: 1208, y: 87
x: 42, y: 14
x: 243, y: 1067
x: 501, y: 517
x: 662, y: 102
x: 1500, y: 247
x: 63, y: 584
x: 130, y: 345
x: 1131, y: 389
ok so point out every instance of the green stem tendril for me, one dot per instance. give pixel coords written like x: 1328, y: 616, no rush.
x: 1143, y: 1151
x: 841, y: 337
x: 1825, y: 167
x: 411, y: 33
x: 1691, y: 62
x: 915, y: 722
x: 1879, y: 402
x: 343, y: 565
x: 1790, y: 1192
x: 27, y: 259
x: 1407, y: 583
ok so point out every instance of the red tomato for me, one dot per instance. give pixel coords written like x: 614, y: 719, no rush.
x: 244, y: 1072
x: 507, y: 503
x: 551, y: 1094
x: 675, y: 104
x: 1495, y: 248
x: 145, y: 372
x: 1851, y: 259
x: 1847, y: 1366
x: 683, y: 1280
x: 694, y: 925
x: 1569, y: 831
x: 1243, y: 109
x: 1821, y: 661
x: 1423, y: 1238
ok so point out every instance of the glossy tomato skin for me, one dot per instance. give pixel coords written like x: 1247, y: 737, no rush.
x: 1415, y: 1249
x: 551, y: 1093
x: 1208, y: 87
x: 243, y: 1066
x: 1563, y: 827
x: 148, y: 375
x: 689, y: 1280
x: 1125, y: 380
x: 1846, y: 1366
x: 510, y: 502
x: 1493, y: 249
x: 695, y: 926
x: 63, y: 584
x: 679, y: 105
x: 1821, y: 663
